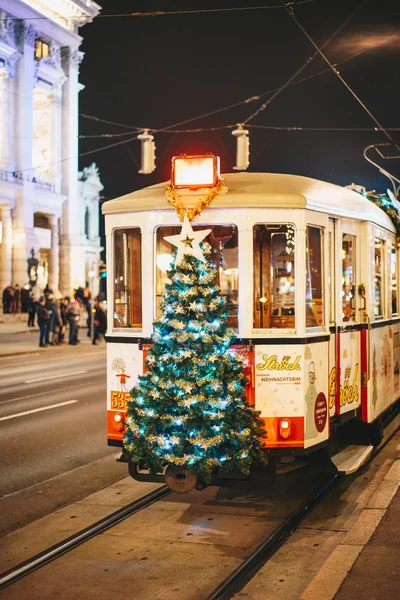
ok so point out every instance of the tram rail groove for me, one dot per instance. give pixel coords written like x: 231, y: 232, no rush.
x: 42, y: 558
x: 237, y: 580
x: 241, y: 576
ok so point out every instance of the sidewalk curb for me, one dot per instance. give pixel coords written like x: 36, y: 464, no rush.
x: 20, y: 353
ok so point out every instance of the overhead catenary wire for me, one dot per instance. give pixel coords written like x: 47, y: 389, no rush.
x: 248, y: 100
x: 300, y: 69
x: 259, y: 96
x: 157, y: 13
x: 336, y: 72
x: 93, y: 118
x: 62, y: 160
x: 269, y: 127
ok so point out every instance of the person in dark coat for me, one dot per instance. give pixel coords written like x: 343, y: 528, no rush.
x: 49, y: 305
x: 32, y: 310
x: 43, y: 322
x: 6, y: 300
x: 13, y: 306
x: 25, y: 295
x: 55, y: 323
x: 64, y: 318
x: 99, y: 322
x: 17, y: 293
x: 73, y: 314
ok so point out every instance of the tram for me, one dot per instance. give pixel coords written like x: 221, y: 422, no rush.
x: 309, y: 271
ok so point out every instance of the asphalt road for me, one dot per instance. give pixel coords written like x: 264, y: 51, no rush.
x: 53, y: 440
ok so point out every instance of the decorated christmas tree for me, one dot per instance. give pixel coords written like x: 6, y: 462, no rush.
x: 189, y: 410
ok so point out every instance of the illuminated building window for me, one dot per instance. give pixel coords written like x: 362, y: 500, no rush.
x: 348, y: 276
x: 393, y: 279
x: 274, y: 276
x: 127, y: 278
x: 42, y: 50
x: 314, y: 278
x: 224, y: 242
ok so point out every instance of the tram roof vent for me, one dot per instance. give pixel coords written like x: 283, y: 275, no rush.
x: 356, y: 188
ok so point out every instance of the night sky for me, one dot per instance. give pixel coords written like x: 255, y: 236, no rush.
x: 156, y: 71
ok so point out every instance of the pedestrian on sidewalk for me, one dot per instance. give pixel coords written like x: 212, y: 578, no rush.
x: 73, y: 313
x: 87, y: 302
x: 64, y: 318
x: 32, y: 310
x: 25, y: 295
x: 43, y: 322
x: 17, y: 293
x: 55, y: 323
x: 99, y: 322
x: 13, y: 306
x: 49, y: 305
x: 6, y: 300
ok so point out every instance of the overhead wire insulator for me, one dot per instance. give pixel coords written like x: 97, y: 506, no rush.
x: 148, y: 152
x: 242, y: 148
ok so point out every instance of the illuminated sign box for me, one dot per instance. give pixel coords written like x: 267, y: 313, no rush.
x: 192, y: 172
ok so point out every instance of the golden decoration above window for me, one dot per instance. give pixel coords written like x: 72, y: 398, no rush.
x: 182, y: 212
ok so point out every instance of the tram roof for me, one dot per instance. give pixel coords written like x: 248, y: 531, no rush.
x: 262, y: 190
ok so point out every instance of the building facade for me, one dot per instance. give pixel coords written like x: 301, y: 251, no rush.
x: 49, y: 223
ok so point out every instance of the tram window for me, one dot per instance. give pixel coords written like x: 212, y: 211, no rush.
x: 127, y: 278
x: 331, y: 281
x: 393, y: 279
x: 348, y: 276
x: 314, y: 278
x: 274, y: 276
x: 224, y: 242
x: 378, y: 281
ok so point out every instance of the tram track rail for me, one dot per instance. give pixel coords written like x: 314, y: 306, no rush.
x: 237, y: 580
x: 50, y: 554
x: 244, y: 573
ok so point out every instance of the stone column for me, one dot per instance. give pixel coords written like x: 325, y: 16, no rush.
x: 54, y: 269
x: 56, y: 141
x: 5, y: 120
x: 72, y: 265
x: 23, y: 238
x: 6, y: 248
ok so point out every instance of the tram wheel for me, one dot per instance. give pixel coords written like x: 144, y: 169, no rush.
x: 180, y: 480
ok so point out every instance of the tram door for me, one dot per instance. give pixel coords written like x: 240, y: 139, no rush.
x: 346, y: 328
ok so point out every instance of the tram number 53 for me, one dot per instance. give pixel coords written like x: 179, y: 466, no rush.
x: 120, y: 400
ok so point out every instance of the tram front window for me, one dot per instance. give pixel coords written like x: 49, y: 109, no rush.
x: 224, y: 242
x: 127, y: 278
x: 274, y: 276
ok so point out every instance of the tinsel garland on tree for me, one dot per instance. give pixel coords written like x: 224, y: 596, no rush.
x: 189, y: 409
x: 389, y: 206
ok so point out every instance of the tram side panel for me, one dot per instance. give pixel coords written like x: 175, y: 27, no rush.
x: 384, y: 370
x: 292, y: 392
x: 348, y: 396
x: 124, y: 365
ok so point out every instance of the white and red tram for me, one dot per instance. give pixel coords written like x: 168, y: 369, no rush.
x: 309, y: 272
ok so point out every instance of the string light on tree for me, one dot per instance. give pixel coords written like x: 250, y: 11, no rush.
x: 189, y: 411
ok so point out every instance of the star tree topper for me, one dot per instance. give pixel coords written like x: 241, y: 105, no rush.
x: 188, y: 242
